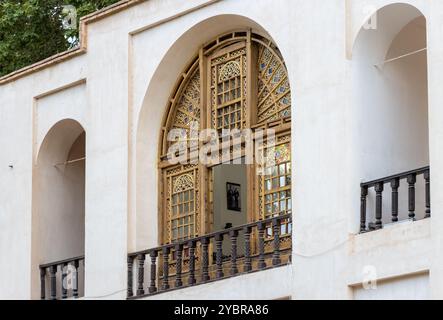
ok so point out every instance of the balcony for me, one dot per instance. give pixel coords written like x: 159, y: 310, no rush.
x: 220, y: 255
x: 402, y: 205
x: 65, y: 279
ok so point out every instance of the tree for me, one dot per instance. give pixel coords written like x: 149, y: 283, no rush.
x: 32, y: 30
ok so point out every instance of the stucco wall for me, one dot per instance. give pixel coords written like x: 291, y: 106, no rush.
x: 118, y: 91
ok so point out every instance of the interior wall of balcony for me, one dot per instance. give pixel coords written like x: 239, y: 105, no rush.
x: 391, y: 103
x: 58, y: 230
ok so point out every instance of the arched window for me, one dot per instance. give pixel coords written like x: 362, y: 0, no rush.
x: 236, y: 81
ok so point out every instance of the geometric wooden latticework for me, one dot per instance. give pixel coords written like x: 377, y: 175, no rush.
x: 237, y: 80
x: 274, y: 93
x: 228, y: 88
x: 181, y: 203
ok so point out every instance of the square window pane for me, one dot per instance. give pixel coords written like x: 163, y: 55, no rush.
x: 274, y: 182
x: 268, y: 186
x: 282, y: 181
x: 283, y: 205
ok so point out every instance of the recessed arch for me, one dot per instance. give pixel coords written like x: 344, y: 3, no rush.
x: 153, y: 116
x: 390, y: 98
x: 58, y: 191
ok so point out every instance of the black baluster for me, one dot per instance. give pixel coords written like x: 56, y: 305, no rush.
x: 141, y: 274
x: 75, y: 276
x: 427, y: 177
x: 205, y: 258
x: 412, y: 179
x: 395, y: 183
x: 364, y: 195
x: 64, y: 273
x: 165, y: 254
x: 276, y: 231
x: 248, y: 262
x: 152, y: 286
x: 191, y: 279
x: 379, y: 187
x: 178, y: 266
x: 53, y: 279
x: 130, y: 261
x: 261, y: 245
x: 234, y: 268
x: 42, y: 283
x: 219, y: 255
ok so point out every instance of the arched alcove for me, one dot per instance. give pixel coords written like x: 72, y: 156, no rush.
x: 390, y: 102
x: 153, y: 110
x: 58, y: 218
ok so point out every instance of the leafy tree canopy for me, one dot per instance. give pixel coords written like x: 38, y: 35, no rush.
x: 32, y: 30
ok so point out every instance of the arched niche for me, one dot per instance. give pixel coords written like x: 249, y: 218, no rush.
x: 145, y: 224
x: 58, y: 218
x: 390, y: 100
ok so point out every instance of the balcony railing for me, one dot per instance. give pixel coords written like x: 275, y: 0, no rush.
x: 265, y: 244
x: 62, y: 274
x: 395, y: 183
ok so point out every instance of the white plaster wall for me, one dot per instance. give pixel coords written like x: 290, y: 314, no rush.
x: 238, y: 288
x: 130, y: 68
x: 415, y: 287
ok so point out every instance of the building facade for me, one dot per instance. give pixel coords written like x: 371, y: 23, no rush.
x: 91, y: 206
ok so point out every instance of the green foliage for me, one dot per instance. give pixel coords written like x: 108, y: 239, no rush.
x: 32, y: 30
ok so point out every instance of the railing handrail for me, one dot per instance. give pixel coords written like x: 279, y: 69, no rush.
x: 210, y: 235
x: 387, y: 179
x: 57, y: 263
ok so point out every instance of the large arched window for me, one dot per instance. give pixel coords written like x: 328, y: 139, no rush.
x: 236, y: 81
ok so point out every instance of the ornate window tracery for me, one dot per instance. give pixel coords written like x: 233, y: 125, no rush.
x: 236, y: 81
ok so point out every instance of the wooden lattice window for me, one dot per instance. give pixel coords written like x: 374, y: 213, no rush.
x: 274, y: 93
x: 228, y: 87
x: 236, y: 80
x: 182, y: 204
x: 275, y: 181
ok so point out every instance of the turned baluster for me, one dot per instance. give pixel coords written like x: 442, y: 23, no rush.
x: 165, y: 254
x: 427, y: 177
x: 64, y: 280
x: 191, y: 279
x: 276, y: 231
x: 379, y: 187
x: 234, y: 268
x: 261, y: 245
x: 219, y: 255
x: 248, y: 262
x: 395, y: 183
x: 152, y: 285
x: 178, y: 265
x: 364, y: 195
x: 205, y: 258
x: 141, y: 274
x: 42, y: 283
x: 412, y: 179
x: 75, y: 279
x: 53, y: 280
x: 130, y: 262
